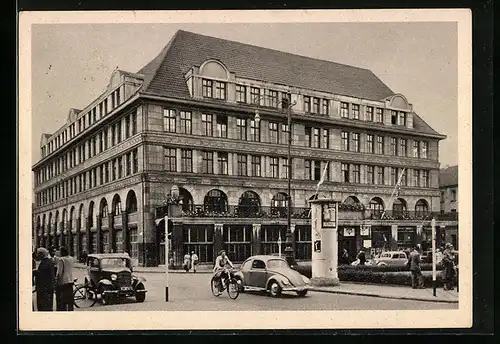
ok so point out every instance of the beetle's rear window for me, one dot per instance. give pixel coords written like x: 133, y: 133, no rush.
x: 277, y: 263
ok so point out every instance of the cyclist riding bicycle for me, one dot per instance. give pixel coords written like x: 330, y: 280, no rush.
x: 220, y: 267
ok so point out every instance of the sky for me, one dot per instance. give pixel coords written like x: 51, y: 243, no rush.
x: 72, y: 63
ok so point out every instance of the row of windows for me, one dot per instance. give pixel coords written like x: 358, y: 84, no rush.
x: 376, y: 145
x: 95, y: 114
x: 351, y: 173
x: 96, y: 144
x: 109, y: 171
x: 278, y: 133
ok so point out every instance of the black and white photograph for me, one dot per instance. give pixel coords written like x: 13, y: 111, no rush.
x: 266, y: 164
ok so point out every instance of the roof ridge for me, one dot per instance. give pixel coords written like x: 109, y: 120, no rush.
x: 275, y: 50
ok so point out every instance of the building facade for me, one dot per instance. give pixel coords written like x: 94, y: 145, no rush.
x: 448, y: 186
x: 188, y: 118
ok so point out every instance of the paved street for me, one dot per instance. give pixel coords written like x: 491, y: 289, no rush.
x: 191, y: 292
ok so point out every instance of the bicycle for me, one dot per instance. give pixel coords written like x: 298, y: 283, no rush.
x: 84, y: 295
x: 230, y: 284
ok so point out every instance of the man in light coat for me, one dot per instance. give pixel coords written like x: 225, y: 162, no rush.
x: 64, y: 279
x: 417, y: 279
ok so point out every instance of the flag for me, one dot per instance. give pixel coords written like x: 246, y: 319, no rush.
x: 323, y: 176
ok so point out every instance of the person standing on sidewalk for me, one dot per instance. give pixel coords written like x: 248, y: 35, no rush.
x: 448, y: 267
x: 44, y: 282
x: 187, y: 262
x: 194, y: 261
x: 54, y: 257
x: 64, y: 279
x: 417, y: 279
x: 362, y: 257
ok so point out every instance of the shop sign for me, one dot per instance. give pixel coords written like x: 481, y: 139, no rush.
x: 365, y: 230
x: 349, y: 232
x: 329, y: 215
x: 317, y: 246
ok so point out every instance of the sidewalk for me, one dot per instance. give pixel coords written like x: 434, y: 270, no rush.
x: 391, y: 292
x: 161, y: 269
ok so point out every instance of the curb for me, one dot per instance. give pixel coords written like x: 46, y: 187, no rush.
x: 381, y: 295
x: 160, y: 271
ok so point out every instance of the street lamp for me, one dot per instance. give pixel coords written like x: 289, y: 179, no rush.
x: 285, y: 104
x: 172, y: 199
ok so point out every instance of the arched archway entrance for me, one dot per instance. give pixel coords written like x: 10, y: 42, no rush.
x: 376, y: 207
x: 249, y: 204
x: 186, y: 200
x: 93, y: 228
x: 422, y: 209
x: 399, y: 209
x: 82, y: 244
x: 104, y: 235
x: 131, y: 235
x: 117, y: 228
x: 215, y: 203
x: 279, y: 205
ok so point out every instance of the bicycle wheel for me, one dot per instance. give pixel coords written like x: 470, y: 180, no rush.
x: 214, y: 284
x: 84, y: 297
x: 233, y: 289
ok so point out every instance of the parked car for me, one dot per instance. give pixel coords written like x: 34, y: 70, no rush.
x: 271, y: 274
x: 391, y: 258
x: 110, y: 275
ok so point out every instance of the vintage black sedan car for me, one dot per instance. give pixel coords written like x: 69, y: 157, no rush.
x: 271, y: 274
x: 110, y: 275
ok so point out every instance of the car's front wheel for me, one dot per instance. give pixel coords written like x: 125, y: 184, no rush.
x: 274, y: 289
x: 106, y: 299
x: 241, y: 288
x: 140, y: 296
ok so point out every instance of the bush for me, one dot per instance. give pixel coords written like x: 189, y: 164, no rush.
x: 388, y: 268
x: 396, y: 278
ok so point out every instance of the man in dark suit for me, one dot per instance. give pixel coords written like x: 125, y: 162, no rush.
x: 44, y: 282
x: 417, y: 279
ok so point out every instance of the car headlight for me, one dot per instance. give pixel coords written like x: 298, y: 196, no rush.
x: 285, y: 281
x: 114, y: 277
x: 305, y: 280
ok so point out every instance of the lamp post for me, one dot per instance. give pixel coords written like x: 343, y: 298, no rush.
x: 286, y: 104
x: 433, y: 225
x: 173, y: 199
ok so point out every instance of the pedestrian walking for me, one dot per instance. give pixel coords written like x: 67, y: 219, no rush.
x: 54, y: 258
x: 194, y: 260
x: 417, y: 279
x: 344, y: 257
x: 44, y: 281
x: 362, y: 257
x: 448, y: 267
x: 64, y: 280
x: 187, y: 262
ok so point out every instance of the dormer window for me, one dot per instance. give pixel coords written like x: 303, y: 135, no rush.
x: 220, y: 90
x: 394, y: 117
x: 307, y: 104
x: 241, y: 94
x: 255, y: 95
x: 215, y: 90
x: 273, y: 98
x: 206, y: 88
x: 402, y: 119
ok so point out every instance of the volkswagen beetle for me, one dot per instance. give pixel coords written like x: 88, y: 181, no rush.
x: 110, y: 275
x: 271, y: 274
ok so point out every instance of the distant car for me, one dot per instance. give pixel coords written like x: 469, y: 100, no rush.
x: 391, y: 258
x: 110, y: 275
x: 271, y: 274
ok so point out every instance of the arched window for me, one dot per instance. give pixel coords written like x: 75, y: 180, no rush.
x: 186, y: 200
x: 376, y: 205
x: 279, y: 204
x: 399, y: 206
x: 248, y: 204
x: 71, y: 218
x: 80, y: 213
x: 351, y: 200
x: 56, y: 221
x: 421, y: 208
x: 131, y: 202
x: 103, y: 209
x: 215, y: 201
x: 117, y: 205
x: 44, y: 224
x: 91, y: 214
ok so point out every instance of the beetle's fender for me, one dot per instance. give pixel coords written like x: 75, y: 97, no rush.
x: 238, y: 274
x: 282, y: 281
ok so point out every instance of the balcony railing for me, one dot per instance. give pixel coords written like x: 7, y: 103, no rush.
x: 410, y: 215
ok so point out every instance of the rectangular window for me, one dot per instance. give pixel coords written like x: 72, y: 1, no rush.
x: 393, y: 142
x: 94, y: 115
x: 379, y: 115
x: 285, y: 133
x: 169, y: 120
x: 221, y: 126
x: 316, y: 102
x: 241, y: 94
x: 424, y: 148
x: 135, y: 162
x: 105, y: 107
x: 394, y: 117
x: 241, y: 125
x: 273, y: 132
x: 355, y: 142
x: 134, y: 123
x: 325, y: 139
x: 273, y: 98
x: 345, y: 173
x: 285, y: 167
x: 129, y: 163
x: 369, y: 113
x: 256, y: 167
x: 207, y: 88
x: 416, y: 149
x: 308, y: 169
x: 308, y: 132
x: 101, y: 112
x: 307, y: 104
x: 118, y: 132
x: 344, y: 110
x: 380, y: 175
x: 120, y: 167
x: 187, y: 160
x: 356, y: 174
x: 370, y: 174
x: 106, y: 173
x: 416, y: 178
x: 91, y: 180
x: 345, y: 140
x: 402, y: 147
x: 355, y: 111
x: 380, y: 145
x: 170, y: 160
x: 127, y: 127
x: 316, y: 164
x: 254, y: 130
x: 275, y: 167
x: 104, y: 139
x: 118, y: 100
x: 394, y: 175
x: 222, y: 161
x: 242, y: 169
x: 101, y: 142
x: 325, y: 110
x: 425, y: 179
x: 404, y: 177
x: 316, y: 138
x: 402, y: 118
x: 207, y: 125
x: 186, y: 122
x: 220, y: 90
x: 208, y: 162
x: 369, y: 143
x: 114, y: 170
x: 255, y: 95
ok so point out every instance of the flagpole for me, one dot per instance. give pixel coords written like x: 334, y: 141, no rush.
x: 394, y: 190
x: 321, y: 181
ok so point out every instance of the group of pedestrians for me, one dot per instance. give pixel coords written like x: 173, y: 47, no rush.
x: 190, y: 261
x: 54, y: 275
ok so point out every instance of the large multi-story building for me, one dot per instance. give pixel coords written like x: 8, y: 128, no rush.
x: 448, y: 185
x: 188, y: 118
